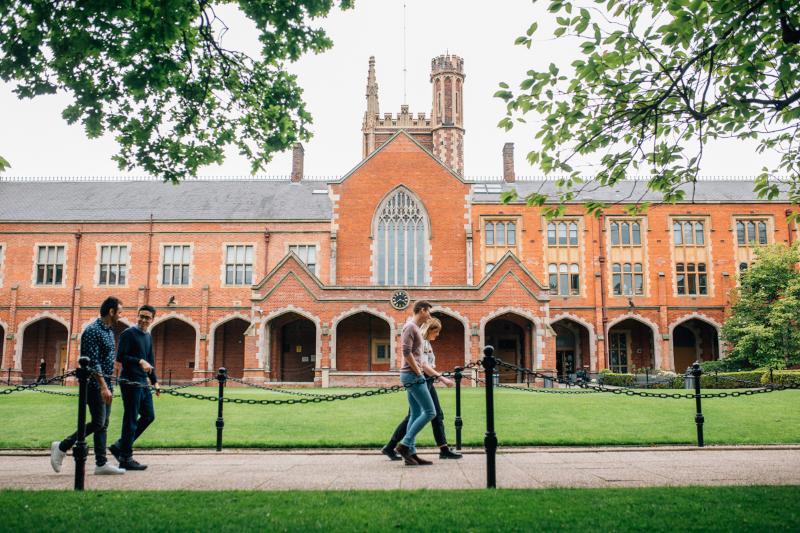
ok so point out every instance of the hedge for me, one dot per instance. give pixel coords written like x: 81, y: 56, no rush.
x: 748, y: 379
x: 617, y: 380
x: 782, y: 377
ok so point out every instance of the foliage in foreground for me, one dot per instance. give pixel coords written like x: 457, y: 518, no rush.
x: 160, y: 76
x: 763, y: 328
x: 653, y: 82
x: 649, y: 509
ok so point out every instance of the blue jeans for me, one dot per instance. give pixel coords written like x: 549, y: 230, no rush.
x: 420, y: 405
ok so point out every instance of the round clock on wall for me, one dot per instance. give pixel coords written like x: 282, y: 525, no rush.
x: 400, y: 300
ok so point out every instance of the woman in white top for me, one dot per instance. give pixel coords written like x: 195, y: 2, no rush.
x: 430, y: 330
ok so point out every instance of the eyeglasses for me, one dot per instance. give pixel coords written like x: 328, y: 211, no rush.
x: 145, y: 317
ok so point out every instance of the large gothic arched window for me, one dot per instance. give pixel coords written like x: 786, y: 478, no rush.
x: 401, y: 238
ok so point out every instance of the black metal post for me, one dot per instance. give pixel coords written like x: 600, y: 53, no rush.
x: 647, y: 377
x: 770, y: 375
x: 221, y: 377
x: 459, y: 422
x: 8, y: 382
x: 79, y: 452
x: 490, y: 440
x: 698, y: 417
x: 169, y: 380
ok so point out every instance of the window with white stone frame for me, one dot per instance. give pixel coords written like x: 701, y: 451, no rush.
x: 691, y: 255
x: 50, y: 260
x: 400, y: 231
x: 564, y: 279
x: 176, y: 260
x: 238, y: 264
x: 562, y: 233
x: 625, y: 233
x: 112, y: 268
x: 751, y: 232
x: 627, y: 279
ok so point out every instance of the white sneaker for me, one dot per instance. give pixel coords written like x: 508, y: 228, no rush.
x: 56, y: 456
x: 108, y: 470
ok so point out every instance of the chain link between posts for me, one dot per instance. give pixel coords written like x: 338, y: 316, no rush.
x: 627, y: 391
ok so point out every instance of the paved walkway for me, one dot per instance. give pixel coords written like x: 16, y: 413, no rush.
x: 367, y: 469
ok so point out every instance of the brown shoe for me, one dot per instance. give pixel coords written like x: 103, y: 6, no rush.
x: 420, y: 460
x: 405, y: 453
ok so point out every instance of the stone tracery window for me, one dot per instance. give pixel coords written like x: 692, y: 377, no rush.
x: 401, y: 239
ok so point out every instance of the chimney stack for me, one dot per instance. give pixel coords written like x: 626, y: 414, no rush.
x: 297, y: 162
x: 508, y: 163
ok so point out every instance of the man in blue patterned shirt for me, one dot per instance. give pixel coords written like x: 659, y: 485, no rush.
x: 97, y: 343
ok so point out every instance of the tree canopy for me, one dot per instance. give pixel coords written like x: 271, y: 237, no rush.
x: 764, y: 328
x: 654, y: 82
x: 159, y: 77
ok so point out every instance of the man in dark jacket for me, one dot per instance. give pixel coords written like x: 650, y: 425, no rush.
x: 135, y: 352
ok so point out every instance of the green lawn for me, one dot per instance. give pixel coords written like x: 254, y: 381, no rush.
x: 652, y: 509
x: 33, y: 420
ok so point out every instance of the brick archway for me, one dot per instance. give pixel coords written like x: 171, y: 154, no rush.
x: 175, y: 348
x: 264, y: 341
x: 374, y: 312
x: 450, y: 347
x: 705, y: 335
x: 363, y: 343
x: 638, y: 338
x: 46, y: 339
x: 573, y: 345
x: 513, y: 337
x: 222, y: 331
x: 22, y: 328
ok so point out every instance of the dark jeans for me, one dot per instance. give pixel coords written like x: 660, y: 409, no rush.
x: 98, y: 427
x: 139, y: 413
x: 437, y: 424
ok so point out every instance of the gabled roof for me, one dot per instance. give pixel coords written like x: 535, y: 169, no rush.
x: 389, y: 141
x: 190, y: 200
x: 627, y: 191
x: 497, y: 272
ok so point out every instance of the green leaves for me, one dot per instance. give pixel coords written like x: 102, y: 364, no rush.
x: 763, y: 329
x: 639, y: 95
x: 157, y: 76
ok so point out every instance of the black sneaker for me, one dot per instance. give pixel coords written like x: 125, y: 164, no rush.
x: 447, y: 453
x: 132, y: 464
x: 390, y: 453
x: 116, y: 452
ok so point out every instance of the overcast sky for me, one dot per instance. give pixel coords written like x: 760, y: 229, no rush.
x: 37, y: 141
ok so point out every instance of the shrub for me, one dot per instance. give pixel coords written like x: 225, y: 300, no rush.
x: 678, y: 382
x: 782, y: 377
x: 728, y: 380
x: 617, y: 380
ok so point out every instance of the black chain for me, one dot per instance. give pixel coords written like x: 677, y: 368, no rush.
x: 291, y: 392
x: 633, y: 392
x: 32, y: 386
x: 317, y: 398
x: 534, y: 390
x: 56, y: 393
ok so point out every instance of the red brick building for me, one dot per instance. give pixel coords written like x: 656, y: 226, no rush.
x: 304, y: 281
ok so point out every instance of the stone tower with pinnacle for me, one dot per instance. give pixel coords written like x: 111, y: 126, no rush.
x: 442, y: 132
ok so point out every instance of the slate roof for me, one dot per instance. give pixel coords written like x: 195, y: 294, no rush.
x: 628, y: 191
x: 247, y: 199
x: 89, y: 201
